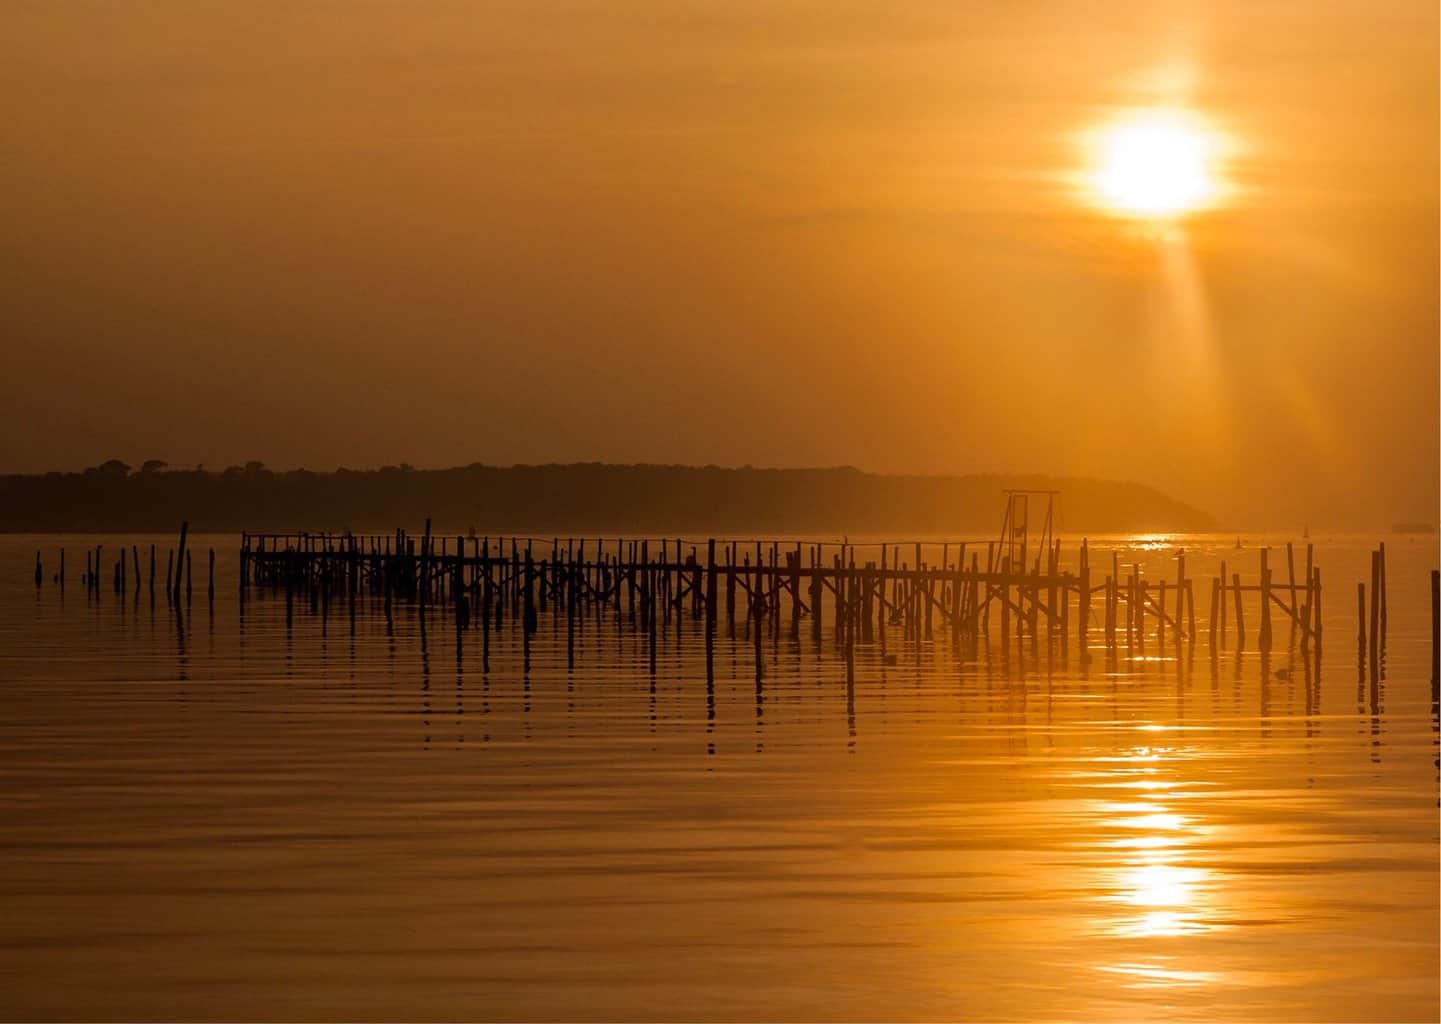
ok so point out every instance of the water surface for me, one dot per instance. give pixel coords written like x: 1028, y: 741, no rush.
x: 219, y: 814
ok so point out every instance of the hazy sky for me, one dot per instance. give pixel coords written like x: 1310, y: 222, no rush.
x: 323, y: 232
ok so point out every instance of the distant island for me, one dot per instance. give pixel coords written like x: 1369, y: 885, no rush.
x: 576, y: 498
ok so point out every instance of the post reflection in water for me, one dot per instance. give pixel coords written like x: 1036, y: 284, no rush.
x: 901, y: 829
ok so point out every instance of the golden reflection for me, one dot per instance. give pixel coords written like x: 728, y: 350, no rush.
x: 1156, y: 975
x: 1163, y: 893
x: 1151, y: 541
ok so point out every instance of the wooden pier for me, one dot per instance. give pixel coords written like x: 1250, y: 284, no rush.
x: 861, y: 593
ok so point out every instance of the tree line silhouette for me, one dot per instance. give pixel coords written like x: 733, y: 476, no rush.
x: 561, y: 499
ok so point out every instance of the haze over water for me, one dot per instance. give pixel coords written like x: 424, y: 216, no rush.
x: 244, y: 816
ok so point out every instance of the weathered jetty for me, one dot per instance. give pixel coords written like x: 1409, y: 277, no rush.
x: 1018, y: 588
x: 1015, y: 590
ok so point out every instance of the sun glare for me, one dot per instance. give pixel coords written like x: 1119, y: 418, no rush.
x: 1155, y: 164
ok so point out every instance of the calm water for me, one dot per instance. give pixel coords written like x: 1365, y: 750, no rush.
x: 227, y: 817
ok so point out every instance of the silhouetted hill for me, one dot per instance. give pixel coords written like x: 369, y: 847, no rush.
x: 586, y: 497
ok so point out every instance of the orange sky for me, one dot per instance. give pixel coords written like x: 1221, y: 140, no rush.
x: 366, y: 231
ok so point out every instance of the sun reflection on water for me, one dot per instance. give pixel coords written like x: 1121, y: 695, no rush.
x: 1160, y: 890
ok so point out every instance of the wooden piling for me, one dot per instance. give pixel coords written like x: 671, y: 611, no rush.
x: 1265, y: 633
x: 1360, y: 616
x: 1291, y: 590
x: 1221, y: 610
x: 1180, y: 591
x: 1141, y: 588
x: 1375, y: 609
x: 711, y: 588
x: 572, y: 577
x: 1381, y: 552
x: 1240, y: 614
x: 1161, y: 616
x: 180, y: 561
x: 1213, y: 617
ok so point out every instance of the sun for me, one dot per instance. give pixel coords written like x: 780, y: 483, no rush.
x: 1157, y: 164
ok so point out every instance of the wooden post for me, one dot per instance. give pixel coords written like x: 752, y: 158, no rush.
x: 1265, y: 639
x: 795, y: 582
x: 1005, y: 605
x: 1033, y: 617
x: 1110, y: 611
x: 1212, y: 618
x: 1222, y: 610
x: 758, y: 611
x: 1382, y: 553
x: 1291, y: 589
x: 180, y: 560
x: 457, y: 590
x: 572, y: 584
x: 711, y: 588
x: 731, y: 593
x: 650, y: 603
x: 486, y: 597
x: 1053, y: 566
x: 530, y: 623
x: 1240, y: 615
x: 1361, y: 616
x: 210, y: 585
x: 926, y: 596
x: 424, y: 581
x: 1180, y: 590
x: 1135, y: 613
x: 1375, y: 608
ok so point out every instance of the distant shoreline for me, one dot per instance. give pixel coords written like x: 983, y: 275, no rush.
x: 576, y: 498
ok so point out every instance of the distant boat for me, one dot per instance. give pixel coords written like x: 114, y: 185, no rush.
x: 1414, y: 528
x: 1238, y: 543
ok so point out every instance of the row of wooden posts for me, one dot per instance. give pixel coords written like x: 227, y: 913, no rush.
x: 127, y: 566
x: 650, y: 581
